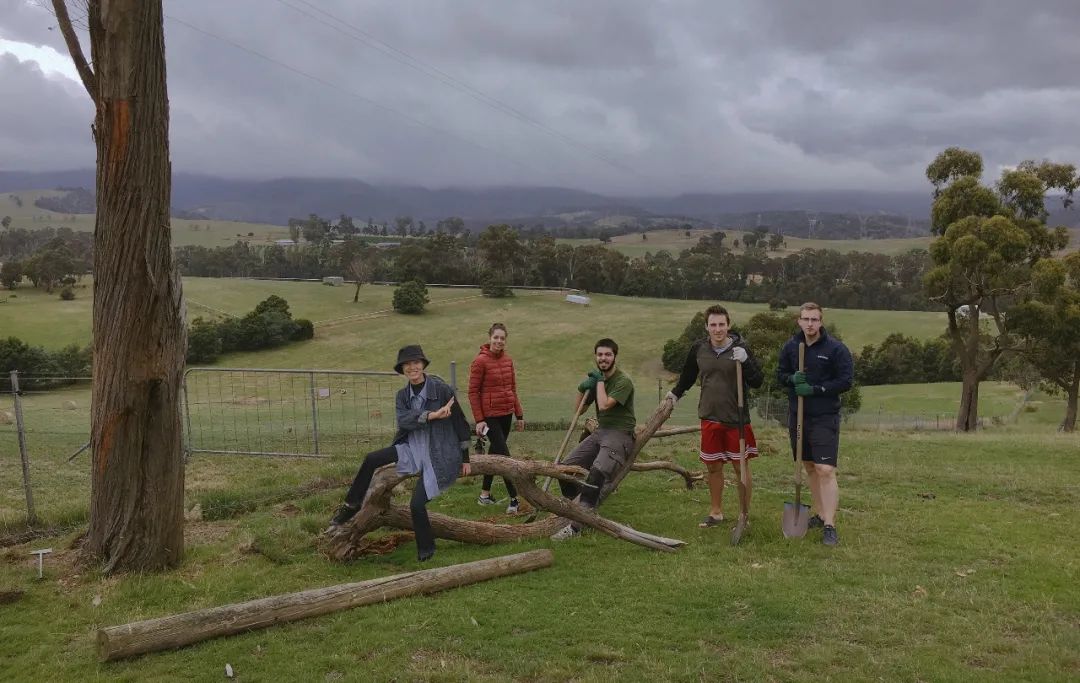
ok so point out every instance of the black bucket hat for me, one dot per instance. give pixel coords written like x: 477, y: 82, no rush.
x: 408, y: 353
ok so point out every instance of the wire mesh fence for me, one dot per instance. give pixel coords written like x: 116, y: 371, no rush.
x: 289, y: 413
x: 285, y: 412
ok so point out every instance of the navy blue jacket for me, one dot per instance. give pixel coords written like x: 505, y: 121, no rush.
x: 829, y: 369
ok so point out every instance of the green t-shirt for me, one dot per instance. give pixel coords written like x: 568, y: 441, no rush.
x: 621, y: 415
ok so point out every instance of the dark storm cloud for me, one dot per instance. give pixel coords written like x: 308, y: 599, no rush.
x: 655, y: 97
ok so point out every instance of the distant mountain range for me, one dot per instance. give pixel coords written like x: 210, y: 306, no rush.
x: 275, y: 201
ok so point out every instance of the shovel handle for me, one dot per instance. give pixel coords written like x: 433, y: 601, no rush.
x: 799, y: 430
x: 743, y: 462
x: 566, y: 439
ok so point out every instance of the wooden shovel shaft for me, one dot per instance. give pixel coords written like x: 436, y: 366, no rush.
x: 744, y: 463
x: 799, y: 432
x: 566, y: 439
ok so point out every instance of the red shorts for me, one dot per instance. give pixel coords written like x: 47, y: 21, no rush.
x: 721, y: 444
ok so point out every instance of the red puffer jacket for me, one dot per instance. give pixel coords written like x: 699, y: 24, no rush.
x: 492, y: 385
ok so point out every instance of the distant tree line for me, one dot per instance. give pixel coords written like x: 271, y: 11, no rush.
x: 49, y: 258
x: 499, y: 257
x: 74, y: 200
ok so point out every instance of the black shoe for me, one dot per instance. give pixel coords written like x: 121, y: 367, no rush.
x: 343, y: 515
x: 816, y: 522
x: 425, y: 555
x: 829, y: 537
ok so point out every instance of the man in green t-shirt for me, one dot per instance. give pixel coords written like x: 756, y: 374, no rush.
x: 605, y: 450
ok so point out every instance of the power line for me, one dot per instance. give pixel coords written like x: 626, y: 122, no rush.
x: 366, y: 100
x: 435, y: 73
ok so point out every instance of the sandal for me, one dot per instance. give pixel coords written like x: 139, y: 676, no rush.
x: 711, y: 521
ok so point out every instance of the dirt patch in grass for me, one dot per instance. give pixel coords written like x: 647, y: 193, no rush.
x: 206, y: 533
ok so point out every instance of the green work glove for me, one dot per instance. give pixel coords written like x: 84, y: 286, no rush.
x: 804, y: 389
x: 798, y: 378
x: 587, y: 385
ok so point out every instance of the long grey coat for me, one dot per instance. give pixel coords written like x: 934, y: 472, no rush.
x: 448, y: 440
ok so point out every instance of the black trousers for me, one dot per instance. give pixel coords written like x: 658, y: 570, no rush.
x: 425, y: 537
x: 498, y: 430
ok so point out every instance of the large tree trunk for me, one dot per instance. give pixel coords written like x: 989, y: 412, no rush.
x: 1069, y: 423
x: 967, y: 420
x: 137, y: 483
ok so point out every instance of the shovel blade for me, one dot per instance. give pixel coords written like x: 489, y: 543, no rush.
x: 741, y: 526
x: 796, y: 520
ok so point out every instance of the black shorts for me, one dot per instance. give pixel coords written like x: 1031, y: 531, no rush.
x: 821, y: 438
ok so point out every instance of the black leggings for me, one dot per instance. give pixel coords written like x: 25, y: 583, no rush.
x: 425, y: 537
x: 498, y: 430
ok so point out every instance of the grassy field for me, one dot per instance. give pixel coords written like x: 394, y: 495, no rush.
x: 675, y: 241
x: 455, y: 324
x: 952, y: 566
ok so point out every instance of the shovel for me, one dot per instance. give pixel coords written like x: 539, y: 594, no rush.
x: 796, y: 515
x: 743, y: 522
x: 562, y: 450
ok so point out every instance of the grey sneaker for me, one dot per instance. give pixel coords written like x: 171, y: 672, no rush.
x: 830, y: 537
x: 564, y: 533
x: 512, y: 508
x: 816, y: 522
x: 486, y: 500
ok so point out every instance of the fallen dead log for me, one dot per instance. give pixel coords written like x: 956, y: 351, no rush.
x: 166, y: 633
x: 345, y: 543
x: 655, y: 465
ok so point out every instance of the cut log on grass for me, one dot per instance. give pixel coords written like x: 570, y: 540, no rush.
x: 166, y: 633
x: 346, y: 542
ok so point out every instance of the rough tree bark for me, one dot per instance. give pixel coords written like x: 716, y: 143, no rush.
x: 140, y: 339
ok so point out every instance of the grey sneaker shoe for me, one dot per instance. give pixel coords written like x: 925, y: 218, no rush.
x: 512, y: 508
x: 486, y: 500
x: 564, y: 533
x: 816, y: 522
x: 830, y: 537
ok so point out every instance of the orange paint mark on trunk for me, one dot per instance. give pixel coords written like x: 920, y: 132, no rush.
x: 120, y: 127
x: 102, y: 454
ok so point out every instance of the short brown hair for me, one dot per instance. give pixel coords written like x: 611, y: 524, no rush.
x: 497, y: 326
x: 607, y: 344
x: 717, y: 309
x: 811, y: 306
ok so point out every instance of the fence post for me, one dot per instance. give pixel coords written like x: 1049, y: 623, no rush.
x: 21, y: 429
x: 187, y: 418
x: 314, y: 412
x: 453, y: 376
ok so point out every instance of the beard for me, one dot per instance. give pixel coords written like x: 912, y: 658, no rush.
x: 604, y: 366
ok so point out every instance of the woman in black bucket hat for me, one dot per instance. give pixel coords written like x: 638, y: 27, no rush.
x: 432, y: 441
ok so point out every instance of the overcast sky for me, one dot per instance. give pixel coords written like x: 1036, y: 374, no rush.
x: 618, y: 96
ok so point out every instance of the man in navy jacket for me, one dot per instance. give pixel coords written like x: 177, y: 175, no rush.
x: 829, y: 372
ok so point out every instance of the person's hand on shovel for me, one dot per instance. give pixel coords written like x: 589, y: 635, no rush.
x: 804, y: 389
x: 590, y: 381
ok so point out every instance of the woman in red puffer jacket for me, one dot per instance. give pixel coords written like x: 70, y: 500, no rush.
x: 494, y: 400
